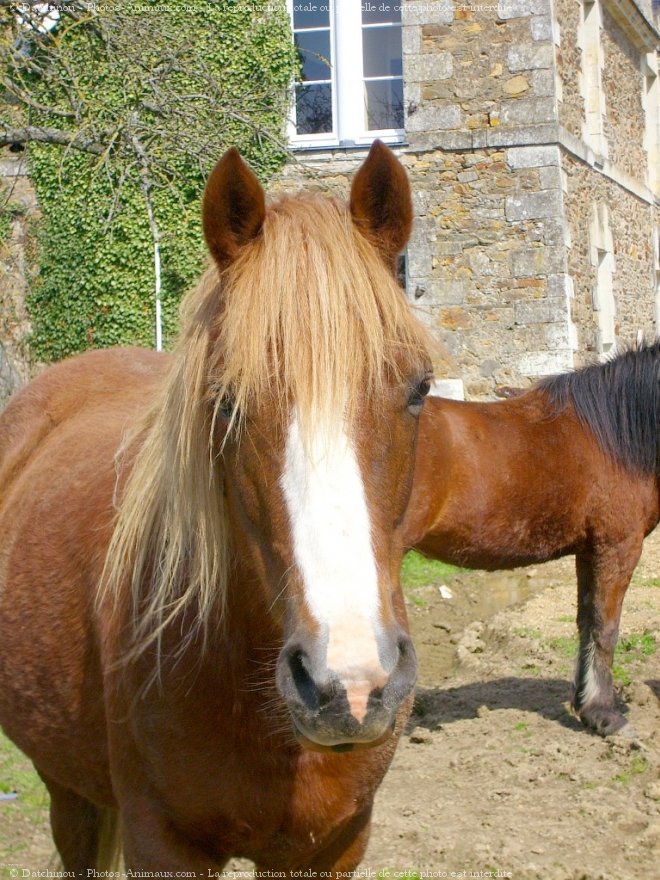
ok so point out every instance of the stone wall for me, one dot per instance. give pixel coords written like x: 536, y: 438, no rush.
x: 615, y: 188
x: 10, y: 380
x: 17, y: 198
x: 487, y: 260
x: 474, y: 74
x: 486, y: 264
x: 631, y: 222
x: 569, y: 65
x: 500, y: 261
x: 622, y: 84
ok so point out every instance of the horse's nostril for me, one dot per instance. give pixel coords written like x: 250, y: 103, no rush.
x: 376, y: 694
x: 302, y: 680
x: 325, y: 695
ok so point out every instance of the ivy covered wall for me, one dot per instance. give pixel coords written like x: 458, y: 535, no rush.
x: 95, y: 284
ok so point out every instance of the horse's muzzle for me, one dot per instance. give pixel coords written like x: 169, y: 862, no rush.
x: 341, y: 710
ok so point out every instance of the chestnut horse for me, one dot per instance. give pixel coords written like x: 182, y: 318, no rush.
x: 571, y: 466
x: 200, y: 608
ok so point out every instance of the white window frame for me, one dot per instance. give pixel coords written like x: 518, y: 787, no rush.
x: 347, y: 77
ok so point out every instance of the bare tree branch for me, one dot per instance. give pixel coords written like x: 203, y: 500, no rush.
x: 76, y: 140
x: 29, y: 101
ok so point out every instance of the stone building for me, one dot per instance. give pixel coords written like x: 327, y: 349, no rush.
x: 530, y: 129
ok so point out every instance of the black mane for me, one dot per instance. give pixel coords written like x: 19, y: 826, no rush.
x: 619, y: 401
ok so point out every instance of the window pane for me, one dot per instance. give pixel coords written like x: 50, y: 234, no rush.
x: 314, y: 50
x: 384, y: 104
x: 314, y: 109
x: 378, y: 12
x: 309, y: 15
x: 381, y: 49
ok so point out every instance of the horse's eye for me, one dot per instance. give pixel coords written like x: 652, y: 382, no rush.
x: 226, y: 407
x: 417, y: 395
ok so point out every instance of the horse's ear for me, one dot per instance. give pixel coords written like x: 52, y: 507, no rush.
x: 381, y: 203
x: 233, y: 209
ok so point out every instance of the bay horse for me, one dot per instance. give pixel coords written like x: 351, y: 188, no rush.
x: 571, y: 466
x: 203, y: 641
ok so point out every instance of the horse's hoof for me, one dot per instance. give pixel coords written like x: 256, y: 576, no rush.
x: 626, y: 735
x: 605, y: 721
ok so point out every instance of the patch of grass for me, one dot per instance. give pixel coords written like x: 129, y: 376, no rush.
x: 18, y: 774
x: 565, y: 645
x: 648, y: 582
x: 528, y: 632
x: 418, y: 571
x: 566, y: 618
x: 631, y: 649
x: 30, y: 809
x: 522, y: 727
x: 640, y: 644
x: 620, y: 675
x: 638, y: 765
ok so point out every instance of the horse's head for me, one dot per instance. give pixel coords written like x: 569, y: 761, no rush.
x: 321, y: 375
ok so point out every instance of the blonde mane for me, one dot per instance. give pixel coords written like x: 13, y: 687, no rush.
x: 307, y: 314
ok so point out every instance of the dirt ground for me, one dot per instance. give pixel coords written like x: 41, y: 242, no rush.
x: 494, y: 774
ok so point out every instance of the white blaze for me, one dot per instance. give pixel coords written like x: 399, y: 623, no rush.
x: 331, y: 532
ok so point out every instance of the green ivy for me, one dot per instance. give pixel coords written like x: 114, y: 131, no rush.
x: 5, y: 227
x: 8, y: 211
x: 95, y: 280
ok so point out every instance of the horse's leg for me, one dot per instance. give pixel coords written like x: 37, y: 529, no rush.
x: 346, y: 857
x: 151, y: 842
x: 603, y: 575
x: 76, y: 826
x: 339, y: 857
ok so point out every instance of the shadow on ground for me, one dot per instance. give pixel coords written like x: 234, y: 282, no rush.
x: 655, y: 686
x: 435, y: 707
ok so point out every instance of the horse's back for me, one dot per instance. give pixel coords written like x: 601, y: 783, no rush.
x: 58, y: 439
x: 118, y: 380
x: 512, y: 482
x: 491, y: 481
